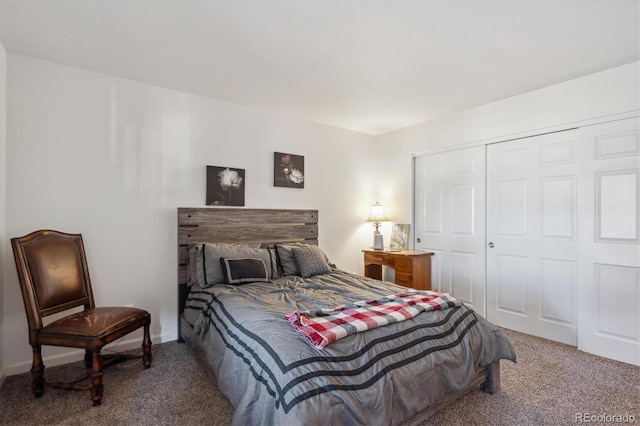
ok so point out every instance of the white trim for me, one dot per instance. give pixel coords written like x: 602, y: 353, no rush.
x: 74, y: 355
x: 3, y: 374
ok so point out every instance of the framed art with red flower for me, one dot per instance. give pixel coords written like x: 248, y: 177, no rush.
x: 288, y: 170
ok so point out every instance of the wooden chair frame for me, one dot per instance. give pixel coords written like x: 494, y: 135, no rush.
x: 54, y: 277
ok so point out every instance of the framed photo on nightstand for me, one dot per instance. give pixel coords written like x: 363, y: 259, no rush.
x: 399, y: 237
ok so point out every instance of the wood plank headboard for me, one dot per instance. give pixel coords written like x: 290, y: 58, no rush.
x: 239, y: 225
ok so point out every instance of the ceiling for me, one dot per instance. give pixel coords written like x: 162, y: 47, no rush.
x: 368, y: 66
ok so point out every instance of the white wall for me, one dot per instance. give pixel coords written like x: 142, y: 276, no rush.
x: 3, y: 188
x: 591, y: 98
x: 113, y: 159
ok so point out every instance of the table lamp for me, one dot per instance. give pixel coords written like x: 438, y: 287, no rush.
x: 377, y: 216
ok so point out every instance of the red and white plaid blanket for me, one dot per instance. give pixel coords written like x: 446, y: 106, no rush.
x: 324, y: 326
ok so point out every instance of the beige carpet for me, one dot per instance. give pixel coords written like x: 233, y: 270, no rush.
x: 550, y: 384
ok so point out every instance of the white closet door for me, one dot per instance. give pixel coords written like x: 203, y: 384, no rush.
x: 609, y: 290
x: 532, y: 259
x: 449, y: 220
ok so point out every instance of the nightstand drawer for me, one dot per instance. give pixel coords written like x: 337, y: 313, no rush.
x: 377, y: 258
x: 404, y: 279
x: 402, y: 264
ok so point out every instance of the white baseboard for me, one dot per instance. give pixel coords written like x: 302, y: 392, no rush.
x: 78, y: 354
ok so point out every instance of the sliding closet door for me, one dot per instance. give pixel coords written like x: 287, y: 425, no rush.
x: 609, y: 290
x: 532, y: 254
x: 449, y: 220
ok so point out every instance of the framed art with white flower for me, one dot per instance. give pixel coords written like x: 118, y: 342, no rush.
x: 288, y: 170
x: 225, y: 186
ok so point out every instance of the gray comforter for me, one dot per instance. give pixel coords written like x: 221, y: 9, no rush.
x: 273, y: 375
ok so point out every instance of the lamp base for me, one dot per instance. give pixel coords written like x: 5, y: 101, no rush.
x: 378, y: 242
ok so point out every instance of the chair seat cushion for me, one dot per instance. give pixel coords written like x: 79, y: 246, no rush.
x: 94, y: 322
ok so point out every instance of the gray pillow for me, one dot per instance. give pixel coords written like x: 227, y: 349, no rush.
x: 242, y: 271
x: 287, y: 261
x: 311, y: 261
x: 192, y: 263
x: 194, y: 260
x: 287, y: 264
x: 209, y: 269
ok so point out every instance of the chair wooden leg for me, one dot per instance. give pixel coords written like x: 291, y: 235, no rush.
x: 88, y: 357
x: 37, y: 372
x: 146, y: 344
x: 96, y: 378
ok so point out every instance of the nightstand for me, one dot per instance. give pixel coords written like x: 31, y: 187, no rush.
x: 413, y: 268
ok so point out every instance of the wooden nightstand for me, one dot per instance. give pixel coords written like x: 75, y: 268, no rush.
x: 413, y: 268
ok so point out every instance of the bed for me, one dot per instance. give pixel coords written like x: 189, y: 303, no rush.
x: 400, y: 373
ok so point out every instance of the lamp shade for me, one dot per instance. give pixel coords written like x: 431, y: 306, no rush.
x: 377, y: 214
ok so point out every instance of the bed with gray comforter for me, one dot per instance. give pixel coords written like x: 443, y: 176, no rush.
x: 274, y: 375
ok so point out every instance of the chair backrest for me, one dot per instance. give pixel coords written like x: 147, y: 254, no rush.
x: 53, y: 273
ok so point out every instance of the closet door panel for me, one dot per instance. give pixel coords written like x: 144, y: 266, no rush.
x: 510, y: 277
x: 449, y: 220
x: 532, y: 235
x: 616, y: 200
x: 462, y: 279
x: 558, y: 284
x: 609, y: 273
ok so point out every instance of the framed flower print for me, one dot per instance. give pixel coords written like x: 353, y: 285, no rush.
x: 288, y: 170
x: 225, y: 186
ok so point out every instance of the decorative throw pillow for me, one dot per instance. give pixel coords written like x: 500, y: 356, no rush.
x: 287, y: 264
x: 209, y: 268
x: 311, y: 261
x: 242, y: 271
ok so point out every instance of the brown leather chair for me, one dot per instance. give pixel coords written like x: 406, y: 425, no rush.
x: 54, y: 277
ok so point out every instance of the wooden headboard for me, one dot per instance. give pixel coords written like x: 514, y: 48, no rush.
x: 239, y: 225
